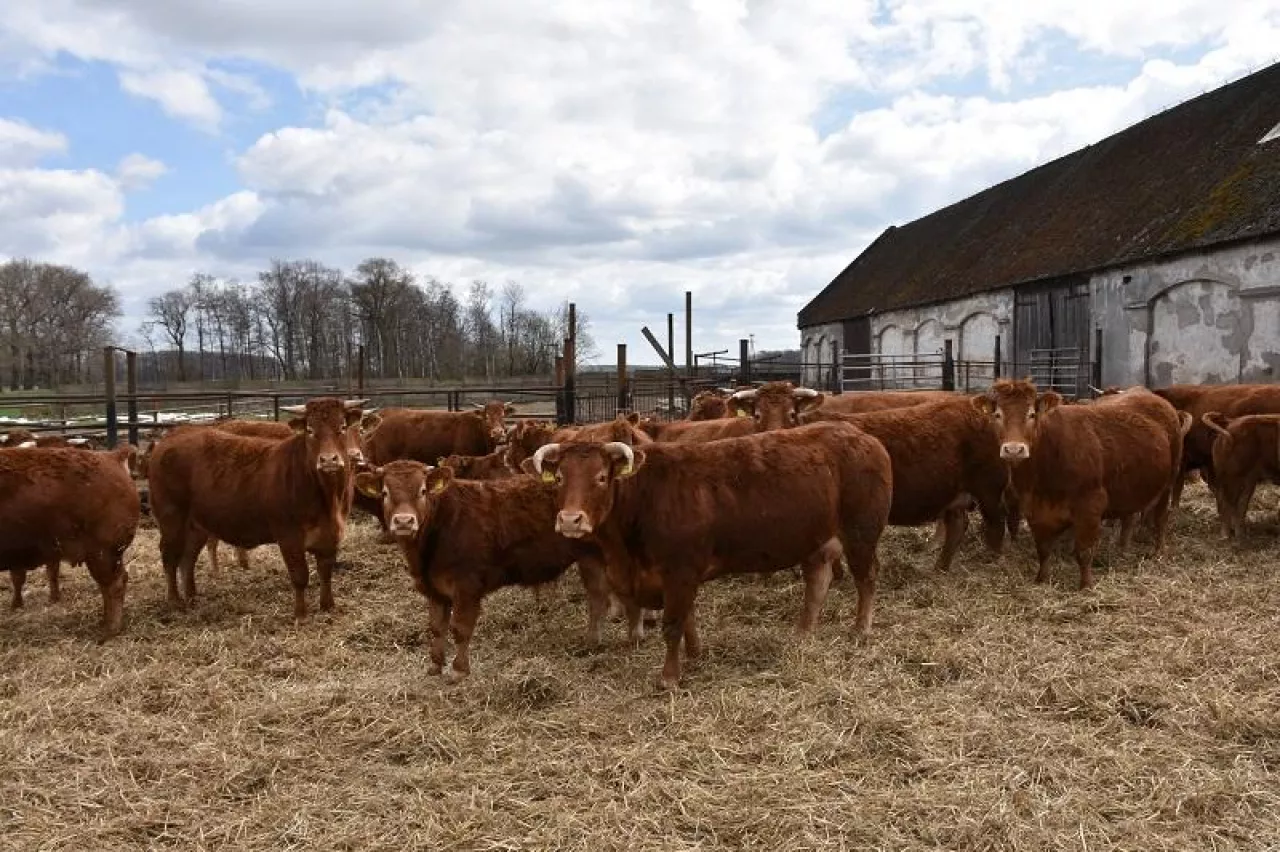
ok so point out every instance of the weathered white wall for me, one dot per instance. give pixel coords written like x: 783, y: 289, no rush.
x: 971, y: 323
x: 1205, y: 317
x: 816, y: 348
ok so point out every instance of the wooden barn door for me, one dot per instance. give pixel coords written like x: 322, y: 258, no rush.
x: 1051, y: 336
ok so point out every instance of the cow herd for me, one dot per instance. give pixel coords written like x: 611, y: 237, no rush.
x: 755, y: 480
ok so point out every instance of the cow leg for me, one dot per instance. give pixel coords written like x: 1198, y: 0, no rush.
x: 1087, y: 522
x: 1160, y: 521
x: 1044, y: 535
x: 17, y: 576
x: 678, y: 597
x: 462, y: 625
x: 597, y: 588
x: 171, y: 548
x: 242, y: 558
x: 817, y: 582
x: 1127, y: 523
x: 211, y: 550
x: 439, y: 614
x: 112, y: 577
x: 295, y: 559
x: 1179, y: 482
x: 954, y: 521
x: 635, y: 622
x: 196, y: 540
x: 53, y: 569
x: 1012, y: 514
x: 1240, y: 509
x: 324, y: 569
x: 692, y: 640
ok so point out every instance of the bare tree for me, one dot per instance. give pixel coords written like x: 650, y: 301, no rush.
x: 170, y: 313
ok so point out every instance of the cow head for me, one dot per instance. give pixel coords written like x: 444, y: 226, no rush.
x: 586, y: 474
x: 524, y: 440
x: 709, y: 405
x: 325, y: 423
x: 406, y: 489
x: 494, y: 413
x: 775, y: 405
x: 1016, y: 411
x: 17, y: 438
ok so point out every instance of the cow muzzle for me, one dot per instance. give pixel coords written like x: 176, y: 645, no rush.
x: 1015, y: 451
x: 330, y: 463
x: 404, y: 524
x: 573, y: 524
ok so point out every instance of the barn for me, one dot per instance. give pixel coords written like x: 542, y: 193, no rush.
x: 1150, y: 257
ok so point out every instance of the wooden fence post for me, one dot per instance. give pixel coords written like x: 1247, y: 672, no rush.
x: 109, y: 379
x: 948, y: 367
x: 131, y: 386
x: 624, y: 392
x: 995, y: 372
x: 744, y: 362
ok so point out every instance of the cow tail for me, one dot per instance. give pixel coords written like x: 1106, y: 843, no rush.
x: 1211, y: 419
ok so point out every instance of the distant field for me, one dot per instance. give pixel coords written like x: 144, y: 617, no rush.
x: 985, y: 713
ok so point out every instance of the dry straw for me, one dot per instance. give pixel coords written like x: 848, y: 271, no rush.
x: 985, y: 713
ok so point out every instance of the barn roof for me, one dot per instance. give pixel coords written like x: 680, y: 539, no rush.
x: 1187, y: 178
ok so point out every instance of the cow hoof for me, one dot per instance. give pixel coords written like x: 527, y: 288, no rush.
x: 667, y: 684
x: 435, y: 669
x: 454, y: 676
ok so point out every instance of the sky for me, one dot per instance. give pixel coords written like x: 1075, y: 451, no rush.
x: 613, y: 154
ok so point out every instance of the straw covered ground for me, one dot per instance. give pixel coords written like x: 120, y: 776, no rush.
x: 985, y: 713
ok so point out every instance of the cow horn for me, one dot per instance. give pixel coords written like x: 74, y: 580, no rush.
x: 617, y: 448
x: 26, y: 445
x: 749, y: 393
x: 294, y: 409
x: 477, y: 405
x: 803, y: 393
x: 354, y: 403
x: 1096, y: 391
x: 541, y: 454
x: 77, y: 442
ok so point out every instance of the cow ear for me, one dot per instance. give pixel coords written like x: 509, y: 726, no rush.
x: 438, y: 479
x: 984, y: 404
x: 354, y: 416
x: 369, y: 483
x: 1048, y: 401
x: 298, y: 425
x: 633, y: 417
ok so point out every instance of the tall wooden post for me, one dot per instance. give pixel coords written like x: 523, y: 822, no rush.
x: 131, y: 386
x: 689, y: 367
x: 109, y: 379
x: 948, y: 367
x: 995, y: 373
x: 744, y: 362
x: 360, y: 371
x: 1097, y: 358
x: 671, y: 370
x: 624, y: 392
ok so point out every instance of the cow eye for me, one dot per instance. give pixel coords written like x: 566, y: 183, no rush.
x: 998, y: 414
x: 559, y: 477
x: 311, y: 432
x: 602, y: 479
x: 386, y: 494
x: 1031, y: 415
x: 422, y: 491
x: 792, y: 415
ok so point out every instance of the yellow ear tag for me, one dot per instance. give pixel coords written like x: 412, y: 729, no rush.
x: 438, y: 487
x: 741, y: 413
x: 626, y: 471
x: 548, y: 476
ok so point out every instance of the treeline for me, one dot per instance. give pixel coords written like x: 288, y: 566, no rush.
x: 304, y: 320
x: 54, y: 321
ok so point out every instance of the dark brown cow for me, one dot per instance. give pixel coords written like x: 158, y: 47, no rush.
x: 944, y: 454
x: 69, y: 505
x: 1246, y: 452
x: 280, y: 431
x: 669, y: 516
x: 464, y: 540
x: 1229, y: 400
x: 1073, y: 466
x: 860, y: 402
x: 254, y: 491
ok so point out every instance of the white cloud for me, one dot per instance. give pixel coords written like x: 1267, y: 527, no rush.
x: 137, y: 171
x: 621, y: 153
x: 181, y: 94
x: 24, y: 145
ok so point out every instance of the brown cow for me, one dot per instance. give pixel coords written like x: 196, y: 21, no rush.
x: 1075, y: 465
x: 492, y: 466
x: 495, y: 412
x: 26, y: 439
x: 69, y: 505
x: 253, y: 491
x: 524, y: 439
x: 1246, y: 452
x: 1229, y: 400
x: 623, y: 427
x: 710, y: 405
x: 944, y: 453
x: 669, y: 516
x: 860, y: 402
x: 427, y: 436
x: 464, y: 540
x: 280, y: 431
x: 774, y: 405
